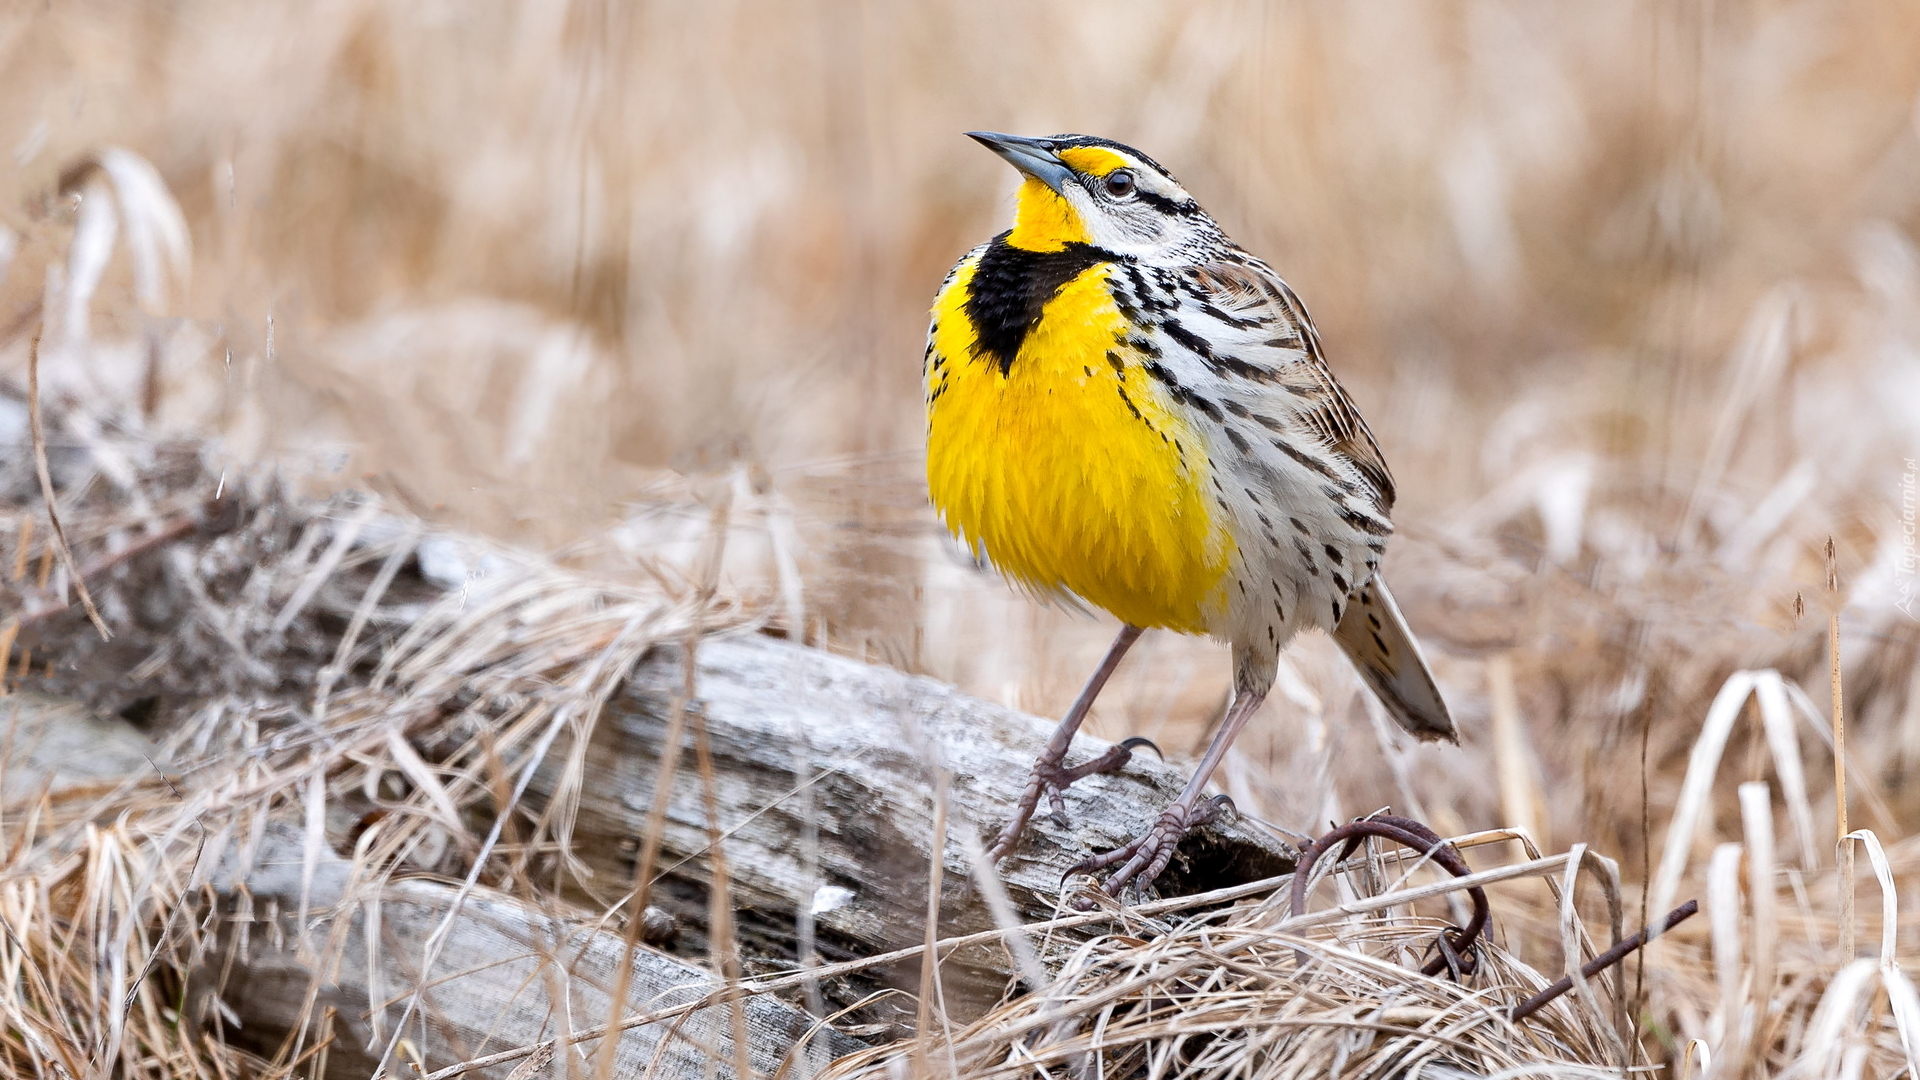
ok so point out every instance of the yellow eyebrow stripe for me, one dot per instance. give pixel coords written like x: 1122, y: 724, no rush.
x: 1092, y: 160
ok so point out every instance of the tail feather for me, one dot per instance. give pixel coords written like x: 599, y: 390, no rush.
x: 1377, y: 640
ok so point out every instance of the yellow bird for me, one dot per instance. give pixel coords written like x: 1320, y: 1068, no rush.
x: 1125, y: 407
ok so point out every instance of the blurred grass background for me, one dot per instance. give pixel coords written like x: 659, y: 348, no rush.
x: 1629, y: 293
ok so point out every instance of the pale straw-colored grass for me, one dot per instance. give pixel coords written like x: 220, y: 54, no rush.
x: 1247, y: 991
x: 1626, y: 290
x: 466, y: 689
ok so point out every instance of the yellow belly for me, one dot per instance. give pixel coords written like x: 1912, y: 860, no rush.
x: 1069, y: 474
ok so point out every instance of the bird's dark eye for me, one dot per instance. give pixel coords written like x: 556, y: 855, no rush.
x: 1120, y: 183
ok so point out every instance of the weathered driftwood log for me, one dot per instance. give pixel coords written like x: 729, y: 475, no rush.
x: 507, y: 976
x: 57, y: 747
x: 824, y: 774
x: 825, y: 778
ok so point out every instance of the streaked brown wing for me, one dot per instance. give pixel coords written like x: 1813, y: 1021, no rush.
x: 1250, y: 294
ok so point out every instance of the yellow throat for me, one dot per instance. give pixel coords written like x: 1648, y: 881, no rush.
x: 1042, y: 220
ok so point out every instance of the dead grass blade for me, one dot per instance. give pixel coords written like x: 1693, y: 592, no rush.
x: 60, y: 544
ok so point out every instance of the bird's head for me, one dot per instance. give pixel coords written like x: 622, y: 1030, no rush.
x: 1079, y: 189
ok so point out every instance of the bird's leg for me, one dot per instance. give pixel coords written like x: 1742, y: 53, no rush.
x: 1048, y: 776
x: 1144, y: 858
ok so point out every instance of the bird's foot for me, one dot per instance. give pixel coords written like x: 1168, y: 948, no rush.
x: 1050, y: 778
x: 1143, y: 860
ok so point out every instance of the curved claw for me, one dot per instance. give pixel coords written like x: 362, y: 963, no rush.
x: 1095, y: 893
x: 1075, y: 870
x: 1049, y: 780
x: 1210, y: 810
x: 1144, y: 857
x: 1095, y: 863
x: 1137, y: 741
x: 1088, y: 895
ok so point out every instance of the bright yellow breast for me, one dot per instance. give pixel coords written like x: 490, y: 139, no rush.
x: 1069, y: 468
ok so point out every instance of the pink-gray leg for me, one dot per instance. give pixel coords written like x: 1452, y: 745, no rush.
x: 1048, y: 777
x: 1144, y: 858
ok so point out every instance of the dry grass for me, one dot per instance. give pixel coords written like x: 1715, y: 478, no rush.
x: 406, y: 705
x: 393, y: 717
x: 1627, y: 290
x: 1245, y: 992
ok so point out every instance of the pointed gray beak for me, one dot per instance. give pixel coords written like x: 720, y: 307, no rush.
x: 1035, y: 157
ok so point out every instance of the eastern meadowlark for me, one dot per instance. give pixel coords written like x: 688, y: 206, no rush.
x: 1125, y: 407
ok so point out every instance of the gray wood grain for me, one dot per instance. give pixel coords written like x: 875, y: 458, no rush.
x: 864, y: 740
x: 509, y: 975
